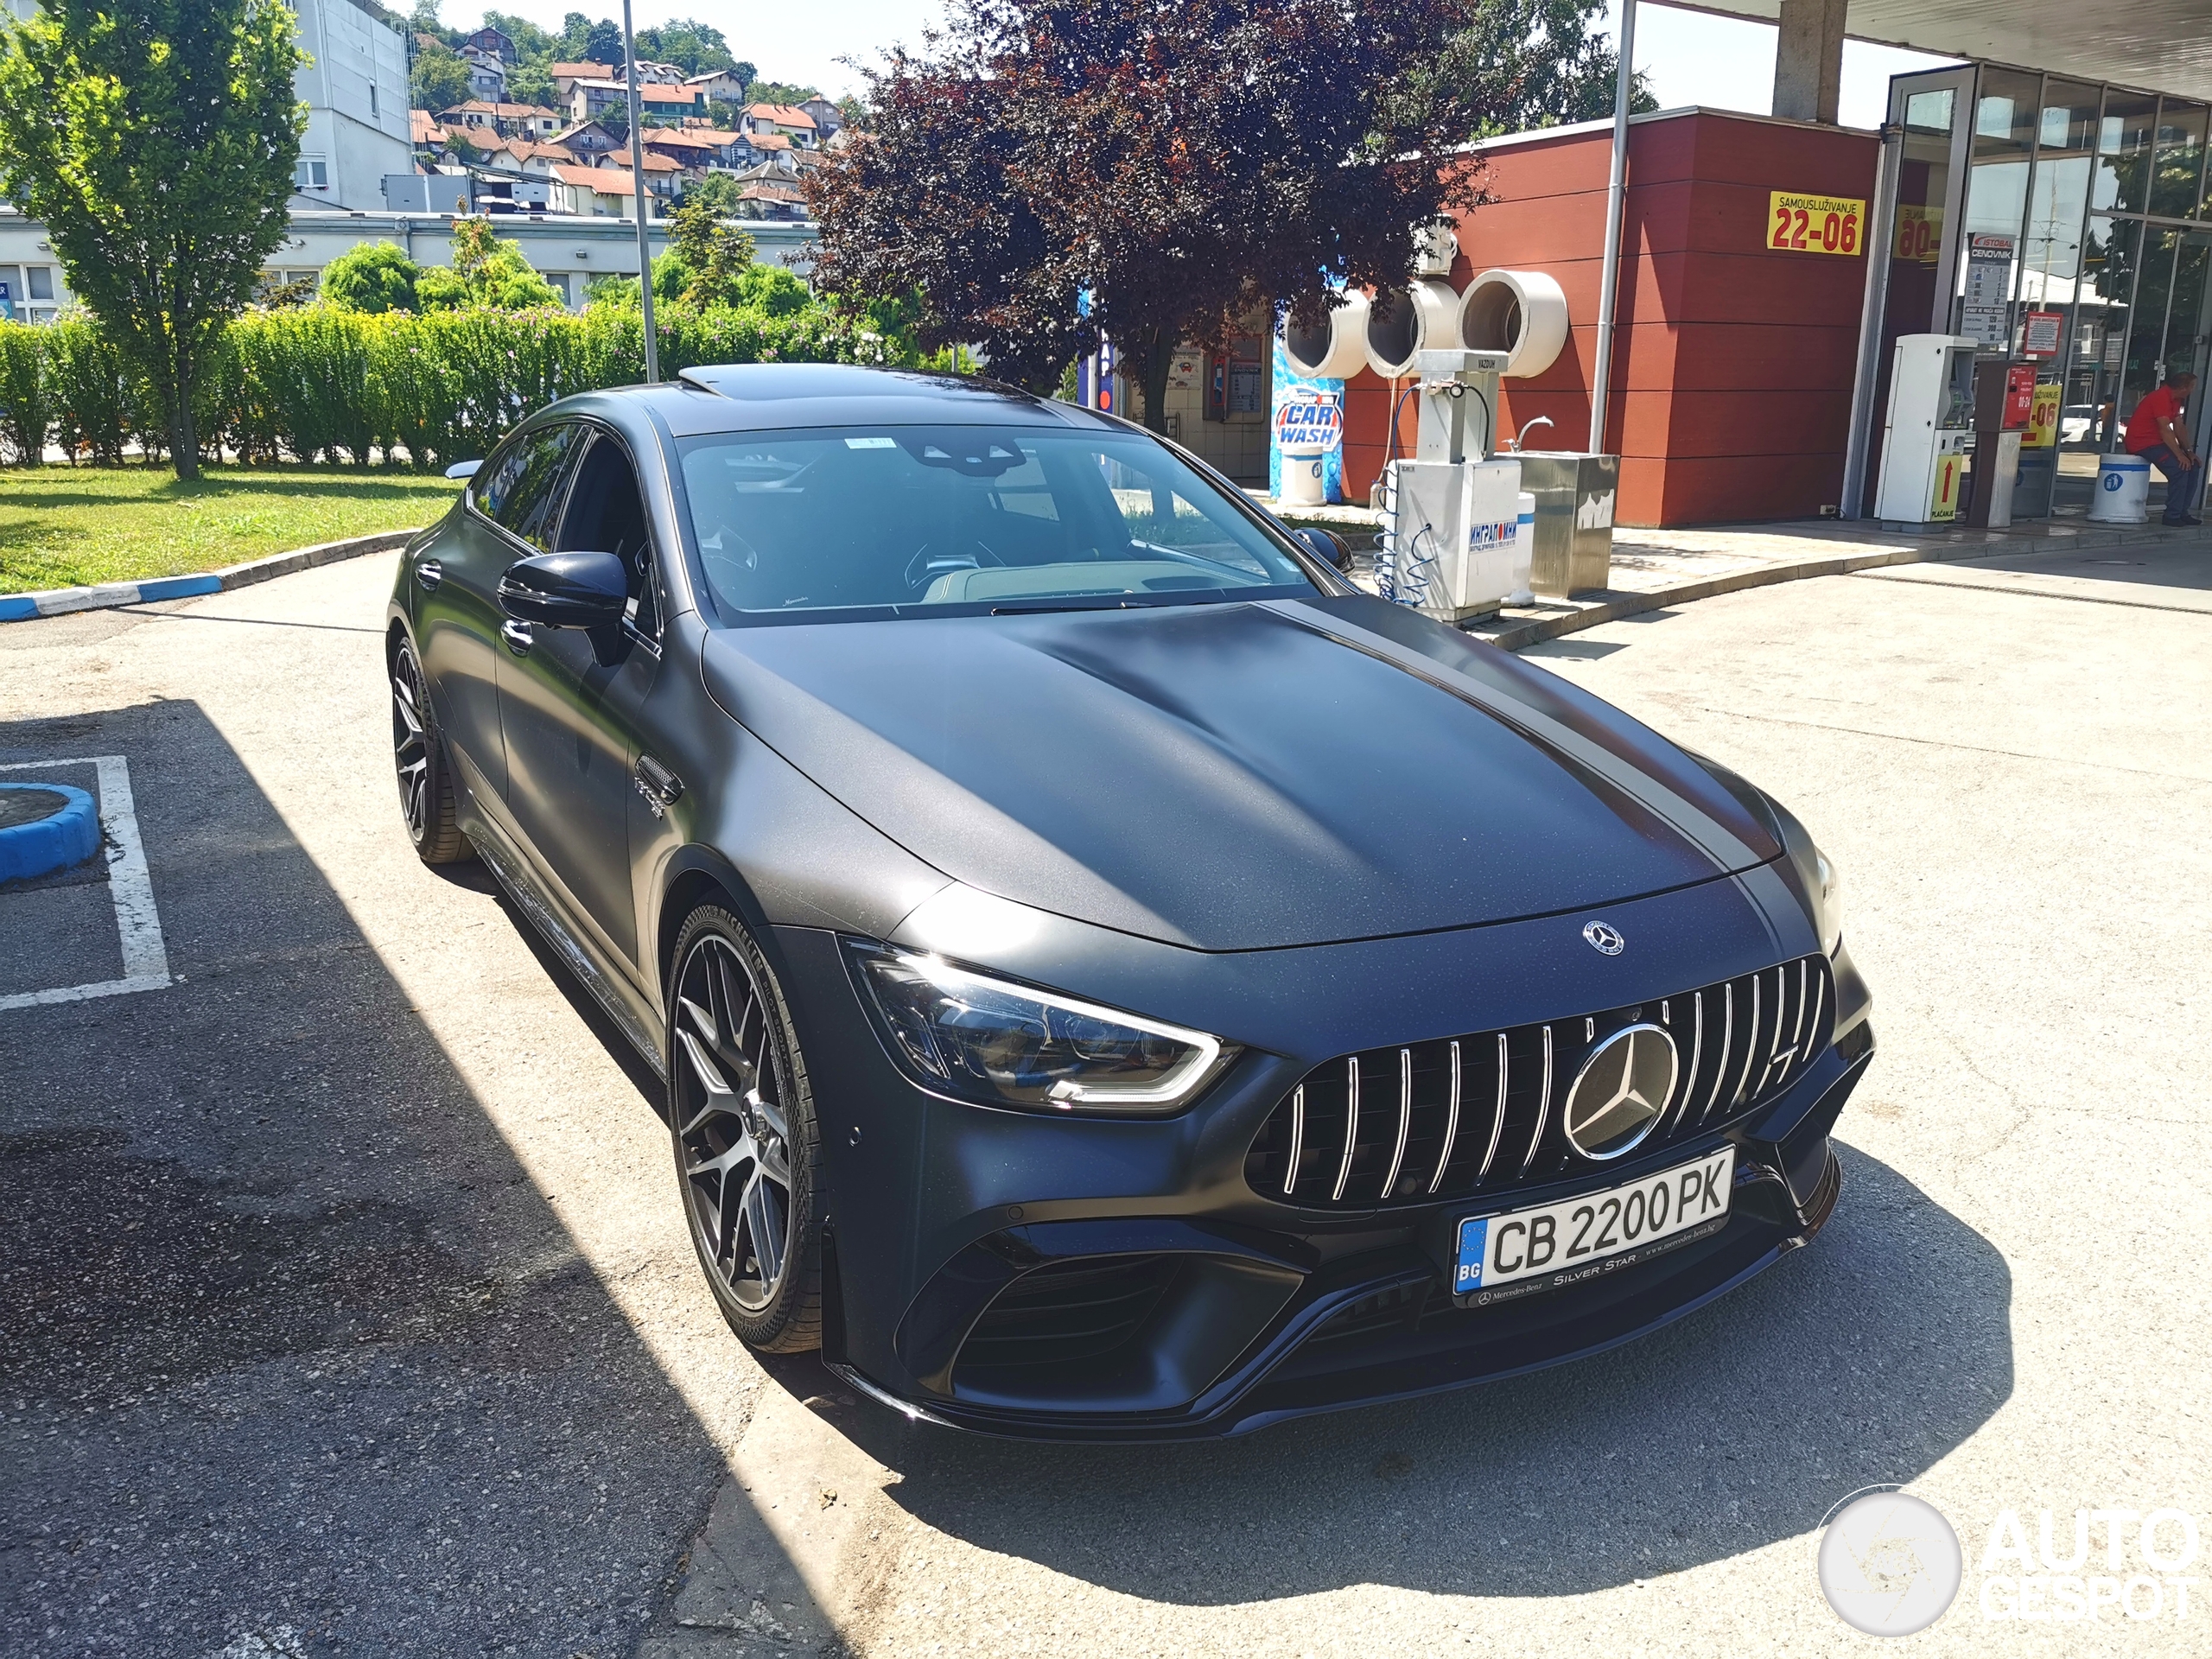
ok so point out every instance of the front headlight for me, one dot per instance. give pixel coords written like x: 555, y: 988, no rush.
x: 998, y: 1044
x: 1827, y: 901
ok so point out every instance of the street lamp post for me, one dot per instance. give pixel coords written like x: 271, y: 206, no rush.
x: 638, y: 178
x: 1601, y: 376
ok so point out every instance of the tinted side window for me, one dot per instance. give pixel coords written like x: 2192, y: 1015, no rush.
x: 521, y: 487
x: 606, y: 514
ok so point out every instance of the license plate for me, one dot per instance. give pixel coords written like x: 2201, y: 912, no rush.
x: 1551, y: 1245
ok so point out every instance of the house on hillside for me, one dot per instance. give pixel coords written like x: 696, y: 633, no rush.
x: 779, y: 120
x: 659, y: 74
x: 689, y: 148
x: 593, y: 100
x: 508, y: 120
x: 719, y: 85
x: 770, y: 198
x: 566, y: 75
x: 487, y: 74
x: 491, y: 42
x: 828, y: 119
x: 586, y: 141
x: 608, y: 191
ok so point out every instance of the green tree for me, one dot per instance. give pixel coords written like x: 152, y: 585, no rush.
x: 439, y: 81
x: 371, y: 277
x: 155, y: 139
x: 1536, y: 63
x: 717, y: 191
x: 603, y: 44
x: 485, y: 272
x: 778, y: 92
x: 713, y: 255
x: 698, y: 47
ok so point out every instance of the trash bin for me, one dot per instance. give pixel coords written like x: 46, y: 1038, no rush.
x: 2123, y: 494
x: 1574, y: 519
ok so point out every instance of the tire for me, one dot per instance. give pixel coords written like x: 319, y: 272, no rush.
x: 748, y: 1148
x: 418, y: 758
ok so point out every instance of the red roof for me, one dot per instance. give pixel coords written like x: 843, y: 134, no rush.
x: 582, y: 71
x: 784, y: 115
x: 602, y: 181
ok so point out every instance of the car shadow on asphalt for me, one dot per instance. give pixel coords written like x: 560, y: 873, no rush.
x: 293, y: 1339
x: 1858, y: 1361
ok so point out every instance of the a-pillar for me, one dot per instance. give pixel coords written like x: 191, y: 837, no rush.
x: 1808, y: 59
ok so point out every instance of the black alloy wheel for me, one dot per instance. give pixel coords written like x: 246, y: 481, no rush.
x: 746, y: 1149
x: 426, y: 802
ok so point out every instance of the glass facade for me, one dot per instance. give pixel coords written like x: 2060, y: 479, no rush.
x: 2081, y: 209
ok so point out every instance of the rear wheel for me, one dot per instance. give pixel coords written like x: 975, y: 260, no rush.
x: 748, y: 1152
x: 426, y: 800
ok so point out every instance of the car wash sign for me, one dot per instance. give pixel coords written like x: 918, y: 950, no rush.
x: 1309, y: 422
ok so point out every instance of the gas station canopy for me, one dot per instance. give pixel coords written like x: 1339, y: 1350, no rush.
x: 2158, y: 45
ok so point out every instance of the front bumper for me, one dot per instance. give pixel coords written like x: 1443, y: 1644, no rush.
x: 1085, y: 1280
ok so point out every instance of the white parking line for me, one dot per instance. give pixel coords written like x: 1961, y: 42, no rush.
x: 145, y: 958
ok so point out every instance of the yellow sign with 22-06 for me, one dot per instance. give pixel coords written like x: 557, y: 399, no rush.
x: 1814, y: 223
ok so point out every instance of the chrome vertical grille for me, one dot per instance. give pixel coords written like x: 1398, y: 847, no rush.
x: 1480, y: 1113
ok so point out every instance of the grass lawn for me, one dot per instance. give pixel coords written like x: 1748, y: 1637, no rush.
x: 72, y: 526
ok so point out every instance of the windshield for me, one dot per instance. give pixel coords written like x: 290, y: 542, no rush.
x: 923, y: 518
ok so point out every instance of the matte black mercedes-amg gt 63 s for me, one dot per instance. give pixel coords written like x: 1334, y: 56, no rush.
x: 1113, y: 979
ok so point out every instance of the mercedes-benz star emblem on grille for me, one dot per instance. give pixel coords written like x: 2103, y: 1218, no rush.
x: 1621, y: 1091
x: 1604, y: 936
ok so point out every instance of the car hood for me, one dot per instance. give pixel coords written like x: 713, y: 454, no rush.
x: 1235, y: 776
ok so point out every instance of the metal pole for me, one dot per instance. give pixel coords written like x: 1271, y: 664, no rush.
x: 1874, y: 241
x: 638, y: 178
x: 1601, y: 370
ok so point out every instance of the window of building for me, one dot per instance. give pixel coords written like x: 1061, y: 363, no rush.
x: 372, y: 99
x: 41, y: 281
x: 311, y: 172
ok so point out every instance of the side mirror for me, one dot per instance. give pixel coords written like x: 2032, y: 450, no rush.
x: 463, y: 470
x: 565, y: 590
x: 1327, y: 545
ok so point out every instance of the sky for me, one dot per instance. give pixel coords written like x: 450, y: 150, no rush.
x: 1692, y: 57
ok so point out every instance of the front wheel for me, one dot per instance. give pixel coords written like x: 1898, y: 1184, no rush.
x: 747, y: 1151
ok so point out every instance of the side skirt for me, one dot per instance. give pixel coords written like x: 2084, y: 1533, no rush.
x: 506, y: 862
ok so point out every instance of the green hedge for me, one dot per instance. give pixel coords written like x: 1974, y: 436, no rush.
x: 313, y: 383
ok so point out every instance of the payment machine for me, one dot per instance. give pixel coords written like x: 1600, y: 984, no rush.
x: 1451, y: 516
x: 1929, y: 432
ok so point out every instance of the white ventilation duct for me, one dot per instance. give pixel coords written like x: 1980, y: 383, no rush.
x: 1423, y: 316
x: 1521, y: 313
x: 1335, y: 347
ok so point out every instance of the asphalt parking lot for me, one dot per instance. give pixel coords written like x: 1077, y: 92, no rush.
x: 350, y: 1312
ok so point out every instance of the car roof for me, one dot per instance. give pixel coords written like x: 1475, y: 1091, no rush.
x: 755, y: 397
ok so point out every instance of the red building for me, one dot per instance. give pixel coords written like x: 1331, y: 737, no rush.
x: 1732, y: 359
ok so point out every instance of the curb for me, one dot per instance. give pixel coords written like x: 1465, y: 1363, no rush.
x: 60, y: 601
x: 1519, y: 635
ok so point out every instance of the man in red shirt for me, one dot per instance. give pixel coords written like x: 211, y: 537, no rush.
x: 2154, y: 432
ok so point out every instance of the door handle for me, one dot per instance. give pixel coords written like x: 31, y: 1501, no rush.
x: 660, y: 786
x: 430, y: 573
x: 518, y: 637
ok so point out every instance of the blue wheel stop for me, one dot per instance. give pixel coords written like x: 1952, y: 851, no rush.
x: 45, y: 827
